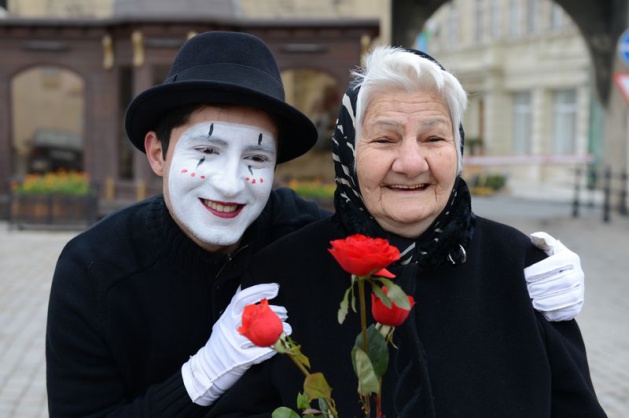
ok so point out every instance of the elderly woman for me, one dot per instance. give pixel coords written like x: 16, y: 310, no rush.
x: 473, y: 346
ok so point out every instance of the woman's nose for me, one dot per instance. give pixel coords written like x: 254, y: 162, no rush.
x: 410, y: 159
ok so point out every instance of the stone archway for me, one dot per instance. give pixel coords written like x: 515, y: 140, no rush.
x: 48, y: 120
x: 601, y: 23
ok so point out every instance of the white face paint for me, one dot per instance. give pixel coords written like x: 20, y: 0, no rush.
x: 220, y: 179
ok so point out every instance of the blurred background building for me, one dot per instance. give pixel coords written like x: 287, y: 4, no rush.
x: 71, y: 68
x: 539, y: 106
x: 533, y: 113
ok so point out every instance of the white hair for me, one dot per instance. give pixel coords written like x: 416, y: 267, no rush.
x: 389, y: 68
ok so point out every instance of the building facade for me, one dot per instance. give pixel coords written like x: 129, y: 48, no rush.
x: 72, y: 77
x: 533, y: 115
x: 532, y: 118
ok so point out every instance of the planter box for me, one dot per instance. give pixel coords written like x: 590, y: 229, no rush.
x: 52, y: 210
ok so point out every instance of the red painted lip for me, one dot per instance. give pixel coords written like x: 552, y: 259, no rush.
x: 234, y: 212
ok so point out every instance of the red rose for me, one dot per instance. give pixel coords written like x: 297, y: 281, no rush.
x: 393, y: 316
x: 260, y: 324
x: 361, y: 255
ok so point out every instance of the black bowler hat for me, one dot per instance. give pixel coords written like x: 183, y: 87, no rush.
x: 223, y: 68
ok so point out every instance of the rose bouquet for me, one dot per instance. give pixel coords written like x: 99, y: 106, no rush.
x: 366, y: 260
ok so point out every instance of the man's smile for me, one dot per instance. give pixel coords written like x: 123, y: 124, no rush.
x: 223, y: 209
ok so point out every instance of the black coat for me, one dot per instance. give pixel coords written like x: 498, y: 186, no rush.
x: 487, y: 352
x: 133, y: 298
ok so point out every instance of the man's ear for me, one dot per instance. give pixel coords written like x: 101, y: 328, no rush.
x: 153, y: 147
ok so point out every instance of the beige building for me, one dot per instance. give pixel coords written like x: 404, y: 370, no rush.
x: 532, y: 114
x: 246, y: 9
x: 321, y: 9
x: 52, y: 9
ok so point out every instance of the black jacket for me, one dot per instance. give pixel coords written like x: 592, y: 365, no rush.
x: 133, y: 298
x: 487, y: 352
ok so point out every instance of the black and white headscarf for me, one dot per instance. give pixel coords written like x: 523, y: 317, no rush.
x: 444, y: 241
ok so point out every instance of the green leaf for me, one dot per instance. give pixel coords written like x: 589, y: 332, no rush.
x: 302, y: 401
x: 283, y: 412
x: 368, y: 382
x: 352, y: 294
x: 395, y: 293
x: 377, y: 290
x: 344, y: 306
x: 377, y: 350
x: 316, y: 387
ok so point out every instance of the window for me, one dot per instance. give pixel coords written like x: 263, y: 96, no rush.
x: 495, y: 19
x: 522, y: 121
x: 480, y: 21
x: 531, y: 16
x: 514, y: 18
x: 556, y: 16
x: 453, y: 25
x: 565, y: 121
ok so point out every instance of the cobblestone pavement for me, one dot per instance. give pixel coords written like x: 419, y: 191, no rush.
x: 27, y: 260
x: 604, y: 251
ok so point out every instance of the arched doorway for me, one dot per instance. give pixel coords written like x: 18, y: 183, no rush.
x: 47, y: 120
x: 318, y: 95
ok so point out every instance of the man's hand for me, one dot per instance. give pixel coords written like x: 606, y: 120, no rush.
x: 556, y: 284
x: 227, y: 354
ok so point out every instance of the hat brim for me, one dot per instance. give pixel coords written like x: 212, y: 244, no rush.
x: 297, y: 132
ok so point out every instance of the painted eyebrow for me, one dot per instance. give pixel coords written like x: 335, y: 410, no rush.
x: 224, y: 143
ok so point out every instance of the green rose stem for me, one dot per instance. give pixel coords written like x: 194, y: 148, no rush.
x: 299, y: 365
x: 330, y: 408
x: 363, y: 257
x: 286, y: 345
x: 363, y: 326
x: 363, y: 311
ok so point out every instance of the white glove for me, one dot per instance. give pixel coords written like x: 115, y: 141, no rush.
x: 227, y: 354
x: 556, y: 284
